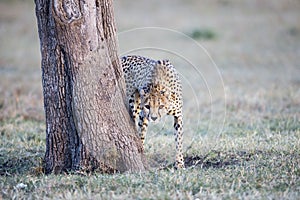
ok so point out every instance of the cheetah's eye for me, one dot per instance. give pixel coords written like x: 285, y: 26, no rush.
x: 147, y: 106
x: 161, y: 106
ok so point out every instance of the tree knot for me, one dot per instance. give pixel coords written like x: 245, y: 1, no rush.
x: 66, y: 11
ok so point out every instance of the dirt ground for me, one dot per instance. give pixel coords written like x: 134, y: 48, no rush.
x: 248, y: 71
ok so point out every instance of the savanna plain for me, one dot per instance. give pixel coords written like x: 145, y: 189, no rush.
x: 239, y: 65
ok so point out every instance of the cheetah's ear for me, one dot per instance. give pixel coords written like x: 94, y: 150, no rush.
x: 164, y: 62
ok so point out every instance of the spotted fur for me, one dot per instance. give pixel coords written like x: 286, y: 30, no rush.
x: 153, y: 90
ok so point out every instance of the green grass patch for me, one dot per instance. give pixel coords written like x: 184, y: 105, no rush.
x: 22, y: 146
x: 202, y: 34
x: 284, y: 125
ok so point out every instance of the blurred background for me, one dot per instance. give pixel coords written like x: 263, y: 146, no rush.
x: 239, y: 60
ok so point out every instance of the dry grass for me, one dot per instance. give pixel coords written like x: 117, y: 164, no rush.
x: 246, y: 147
x: 252, y: 165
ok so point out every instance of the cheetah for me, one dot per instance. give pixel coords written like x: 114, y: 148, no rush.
x: 153, y: 90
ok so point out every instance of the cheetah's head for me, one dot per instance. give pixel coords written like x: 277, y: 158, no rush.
x: 155, y: 102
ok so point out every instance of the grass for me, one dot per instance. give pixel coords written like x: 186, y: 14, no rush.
x: 240, y: 166
x: 202, y: 34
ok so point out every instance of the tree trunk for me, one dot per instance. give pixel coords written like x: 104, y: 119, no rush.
x: 87, y: 123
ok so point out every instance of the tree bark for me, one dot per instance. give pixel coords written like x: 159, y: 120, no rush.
x: 87, y: 123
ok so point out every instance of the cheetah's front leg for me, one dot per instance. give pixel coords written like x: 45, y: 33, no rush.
x: 143, y: 124
x: 134, y: 104
x: 178, y: 123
